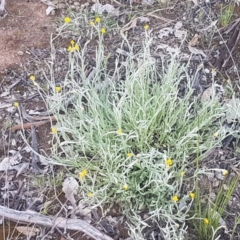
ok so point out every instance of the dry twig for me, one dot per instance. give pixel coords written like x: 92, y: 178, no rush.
x: 47, y: 221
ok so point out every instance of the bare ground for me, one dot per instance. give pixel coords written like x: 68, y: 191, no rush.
x: 25, y: 27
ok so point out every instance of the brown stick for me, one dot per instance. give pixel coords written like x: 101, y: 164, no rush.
x: 47, y: 221
x: 34, y: 124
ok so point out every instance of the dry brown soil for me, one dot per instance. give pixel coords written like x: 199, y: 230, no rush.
x: 26, y: 26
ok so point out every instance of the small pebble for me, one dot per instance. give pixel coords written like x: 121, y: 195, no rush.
x: 145, y: 216
x: 206, y: 70
x: 222, y: 158
x: 20, y: 53
x: 13, y: 142
x: 76, y: 4
x: 226, y: 187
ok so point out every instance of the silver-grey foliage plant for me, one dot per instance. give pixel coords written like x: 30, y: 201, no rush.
x: 135, y: 133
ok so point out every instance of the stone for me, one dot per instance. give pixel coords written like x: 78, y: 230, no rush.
x: 207, y: 70
x: 20, y: 53
x: 76, y: 4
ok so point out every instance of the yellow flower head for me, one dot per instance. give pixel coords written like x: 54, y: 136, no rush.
x: 58, y: 89
x: 119, y: 132
x: 225, y: 172
x: 206, y: 221
x: 146, y: 27
x: 90, y: 194
x: 97, y: 19
x: 77, y: 48
x: 70, y: 49
x: 125, y: 187
x: 83, y: 173
x: 91, y: 23
x: 54, y: 130
x: 215, y: 135
x: 32, y: 77
x: 72, y: 42
x: 213, y: 70
x: 129, y: 155
x: 192, y: 195
x: 16, y: 104
x: 175, y: 198
x: 103, y: 30
x: 67, y: 19
x: 182, y: 173
x: 169, y: 162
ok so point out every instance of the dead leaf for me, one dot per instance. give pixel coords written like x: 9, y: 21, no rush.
x: 28, y: 231
x: 195, y: 2
x: 213, y: 24
x: 132, y: 23
x: 169, y: 49
x: 122, y: 52
x: 5, y: 105
x: 164, y: 32
x: 207, y: 95
x: 178, y: 25
x: 215, y: 91
x: 84, y: 211
x: 11, y: 162
x: 194, y: 50
x: 49, y: 9
x: 100, y: 9
x: 194, y: 41
x: 69, y: 187
x: 148, y: 2
x: 49, y: 3
x: 232, y: 113
x: 144, y: 19
x: 180, y: 34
